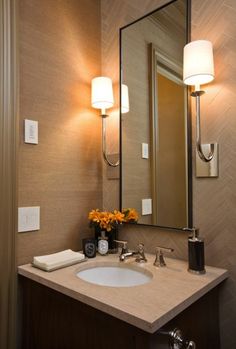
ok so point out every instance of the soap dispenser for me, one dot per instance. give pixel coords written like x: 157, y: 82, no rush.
x: 196, y: 258
x: 102, y: 244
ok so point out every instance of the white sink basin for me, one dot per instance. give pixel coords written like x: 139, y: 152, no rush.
x: 115, y: 276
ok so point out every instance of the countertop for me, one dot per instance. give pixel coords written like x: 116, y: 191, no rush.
x: 149, y: 306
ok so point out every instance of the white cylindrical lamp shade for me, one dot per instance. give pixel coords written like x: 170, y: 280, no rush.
x: 102, y: 93
x: 124, y: 99
x: 198, y: 63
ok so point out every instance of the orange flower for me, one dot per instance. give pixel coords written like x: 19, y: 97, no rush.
x: 131, y: 215
x: 105, y: 220
x: 94, y: 216
x: 118, y: 217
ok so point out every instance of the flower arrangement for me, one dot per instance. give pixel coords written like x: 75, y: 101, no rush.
x: 131, y: 215
x: 108, y: 220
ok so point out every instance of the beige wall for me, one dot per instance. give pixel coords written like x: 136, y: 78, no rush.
x: 59, y: 55
x: 136, y: 183
x: 214, y: 199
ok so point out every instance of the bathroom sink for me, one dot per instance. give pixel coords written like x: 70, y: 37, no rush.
x: 115, y: 276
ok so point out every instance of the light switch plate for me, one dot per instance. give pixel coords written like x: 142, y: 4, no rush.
x: 31, y: 131
x: 145, y: 151
x: 146, y: 206
x: 28, y: 219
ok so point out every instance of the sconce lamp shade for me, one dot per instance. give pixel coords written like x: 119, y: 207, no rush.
x: 124, y: 99
x: 102, y: 93
x: 198, y: 63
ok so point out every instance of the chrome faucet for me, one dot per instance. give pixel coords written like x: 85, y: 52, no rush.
x: 124, y: 248
x: 125, y: 253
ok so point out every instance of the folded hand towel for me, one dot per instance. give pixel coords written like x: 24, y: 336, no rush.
x: 57, y: 260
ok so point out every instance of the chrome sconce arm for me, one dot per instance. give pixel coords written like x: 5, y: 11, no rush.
x: 197, y: 95
x: 104, y: 143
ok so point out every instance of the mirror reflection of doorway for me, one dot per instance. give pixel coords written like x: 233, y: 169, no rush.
x: 170, y: 152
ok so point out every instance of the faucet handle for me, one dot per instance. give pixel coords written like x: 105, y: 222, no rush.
x: 141, y: 258
x: 159, y: 261
x: 141, y: 247
x: 124, y: 245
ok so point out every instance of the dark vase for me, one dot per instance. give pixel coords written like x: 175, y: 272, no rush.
x: 97, y: 234
x: 111, y: 236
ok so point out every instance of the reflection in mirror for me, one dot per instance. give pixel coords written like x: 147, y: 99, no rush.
x: 156, y: 171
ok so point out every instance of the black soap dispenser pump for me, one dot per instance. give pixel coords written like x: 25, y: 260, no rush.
x: 196, y: 257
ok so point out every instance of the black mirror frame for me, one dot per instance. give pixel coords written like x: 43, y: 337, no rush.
x: 189, y: 119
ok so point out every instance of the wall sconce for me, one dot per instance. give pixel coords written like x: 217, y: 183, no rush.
x: 102, y: 98
x: 198, y: 70
x: 124, y: 99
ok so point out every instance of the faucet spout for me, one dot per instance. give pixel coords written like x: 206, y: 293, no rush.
x: 126, y: 255
x: 140, y: 255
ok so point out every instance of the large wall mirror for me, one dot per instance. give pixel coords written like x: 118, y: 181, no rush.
x: 156, y: 132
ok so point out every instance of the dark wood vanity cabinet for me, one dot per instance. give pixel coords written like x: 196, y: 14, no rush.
x: 51, y: 320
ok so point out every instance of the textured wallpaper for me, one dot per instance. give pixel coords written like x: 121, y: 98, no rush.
x: 63, y: 173
x: 214, y: 200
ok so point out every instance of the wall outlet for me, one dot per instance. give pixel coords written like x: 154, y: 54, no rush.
x: 146, y: 206
x: 31, y: 131
x: 28, y: 219
x: 145, y: 151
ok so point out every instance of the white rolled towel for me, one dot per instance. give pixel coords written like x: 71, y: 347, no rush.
x: 58, y: 260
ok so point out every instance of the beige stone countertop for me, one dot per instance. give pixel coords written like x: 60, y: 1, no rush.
x: 149, y: 306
